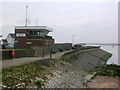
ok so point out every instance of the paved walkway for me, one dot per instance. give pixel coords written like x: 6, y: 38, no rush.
x: 25, y: 60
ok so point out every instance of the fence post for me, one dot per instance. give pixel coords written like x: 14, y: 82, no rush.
x: 43, y: 54
x: 50, y: 55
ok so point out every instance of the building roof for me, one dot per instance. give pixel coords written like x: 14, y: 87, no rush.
x: 4, y: 41
x: 12, y: 35
x: 35, y: 27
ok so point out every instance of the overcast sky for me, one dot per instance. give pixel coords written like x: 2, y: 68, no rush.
x: 91, y: 21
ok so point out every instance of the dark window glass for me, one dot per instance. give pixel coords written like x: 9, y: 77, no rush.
x: 35, y: 33
x: 31, y: 33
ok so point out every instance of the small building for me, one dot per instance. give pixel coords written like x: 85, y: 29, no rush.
x: 4, y: 41
x: 11, y: 38
x: 29, y: 36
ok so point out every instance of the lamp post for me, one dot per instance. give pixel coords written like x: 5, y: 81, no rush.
x: 73, y: 38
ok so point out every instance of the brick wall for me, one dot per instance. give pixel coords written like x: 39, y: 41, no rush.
x: 21, y: 41
x: 29, y: 41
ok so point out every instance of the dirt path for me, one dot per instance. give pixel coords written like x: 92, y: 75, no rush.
x: 24, y: 60
x: 103, y: 82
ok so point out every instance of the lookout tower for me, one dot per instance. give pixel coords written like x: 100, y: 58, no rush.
x: 27, y: 37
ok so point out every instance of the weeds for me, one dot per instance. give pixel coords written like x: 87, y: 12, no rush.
x: 23, y: 76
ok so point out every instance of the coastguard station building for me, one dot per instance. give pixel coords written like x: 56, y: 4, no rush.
x: 29, y: 36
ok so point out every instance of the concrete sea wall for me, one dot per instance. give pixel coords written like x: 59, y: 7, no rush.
x: 18, y: 53
x: 49, y: 49
x: 86, y: 59
x: 72, y: 69
x: 37, y: 51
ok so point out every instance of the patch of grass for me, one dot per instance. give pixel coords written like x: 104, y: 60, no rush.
x: 23, y: 76
x: 109, y: 70
x: 92, y: 73
x: 106, y: 56
x: 106, y: 70
x: 39, y: 83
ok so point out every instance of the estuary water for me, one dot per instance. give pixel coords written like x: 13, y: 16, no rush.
x: 113, y: 49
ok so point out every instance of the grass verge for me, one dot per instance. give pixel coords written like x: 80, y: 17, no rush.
x: 107, y: 70
x: 24, y: 76
x: 106, y: 56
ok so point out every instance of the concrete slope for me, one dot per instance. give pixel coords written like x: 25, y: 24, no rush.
x: 71, y: 70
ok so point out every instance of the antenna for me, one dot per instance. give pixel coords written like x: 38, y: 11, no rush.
x: 26, y: 15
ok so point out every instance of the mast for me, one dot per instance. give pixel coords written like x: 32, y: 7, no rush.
x: 26, y: 16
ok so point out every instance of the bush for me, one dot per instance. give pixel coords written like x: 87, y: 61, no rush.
x: 39, y: 83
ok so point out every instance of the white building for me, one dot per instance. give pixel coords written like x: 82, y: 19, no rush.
x: 11, y: 38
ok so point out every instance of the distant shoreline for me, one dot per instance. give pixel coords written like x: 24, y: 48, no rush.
x: 103, y: 44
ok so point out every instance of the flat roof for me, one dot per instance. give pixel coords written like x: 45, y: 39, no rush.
x: 34, y: 27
